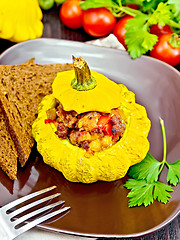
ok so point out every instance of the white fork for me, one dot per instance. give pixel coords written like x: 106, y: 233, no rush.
x: 8, y: 223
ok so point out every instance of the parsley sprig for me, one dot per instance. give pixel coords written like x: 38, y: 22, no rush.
x: 138, y: 38
x: 144, y: 185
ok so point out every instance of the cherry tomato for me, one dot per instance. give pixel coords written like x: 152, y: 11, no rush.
x: 164, y: 51
x: 98, y: 22
x: 160, y: 30
x: 119, y: 29
x: 71, y: 14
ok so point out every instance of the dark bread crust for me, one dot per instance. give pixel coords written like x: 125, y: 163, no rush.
x: 8, y: 159
x: 13, y: 130
x: 21, y: 89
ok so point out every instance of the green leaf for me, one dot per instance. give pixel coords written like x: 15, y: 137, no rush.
x: 161, y: 15
x: 116, y: 2
x: 175, y: 6
x: 147, y: 169
x: 141, y: 192
x: 161, y: 192
x: 96, y: 4
x: 145, y: 187
x: 138, y: 39
x: 136, y: 2
x: 149, y: 40
x: 173, y: 176
x: 149, y: 5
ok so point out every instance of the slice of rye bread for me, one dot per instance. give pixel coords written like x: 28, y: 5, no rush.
x: 8, y: 159
x: 22, y: 87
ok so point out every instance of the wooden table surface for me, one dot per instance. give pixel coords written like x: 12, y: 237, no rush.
x: 53, y: 28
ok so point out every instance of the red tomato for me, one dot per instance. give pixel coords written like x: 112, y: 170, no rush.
x: 71, y: 14
x: 164, y: 51
x: 105, y: 125
x: 160, y: 30
x: 108, y: 129
x: 119, y: 29
x: 103, y: 120
x: 98, y: 22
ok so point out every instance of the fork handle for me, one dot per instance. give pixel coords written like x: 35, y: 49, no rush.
x: 4, y: 235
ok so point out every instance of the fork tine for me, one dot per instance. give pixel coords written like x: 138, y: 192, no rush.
x: 10, y: 229
x: 40, y: 220
x: 30, y: 205
x: 36, y: 212
x: 25, y: 198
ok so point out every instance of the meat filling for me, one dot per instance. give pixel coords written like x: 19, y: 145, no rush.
x: 93, y: 131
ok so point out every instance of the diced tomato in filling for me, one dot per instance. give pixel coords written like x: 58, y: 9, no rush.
x: 50, y: 121
x: 103, y: 120
x: 105, y: 125
x: 93, y: 131
x: 108, y: 129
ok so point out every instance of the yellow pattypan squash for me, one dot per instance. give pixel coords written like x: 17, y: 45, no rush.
x: 74, y: 162
x: 20, y: 20
x: 84, y: 101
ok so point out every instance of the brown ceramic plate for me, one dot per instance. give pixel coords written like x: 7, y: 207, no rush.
x: 101, y: 209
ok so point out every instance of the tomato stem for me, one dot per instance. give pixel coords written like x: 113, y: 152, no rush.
x: 174, y: 40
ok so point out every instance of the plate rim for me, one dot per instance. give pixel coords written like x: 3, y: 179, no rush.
x: 46, y: 227
x: 149, y: 58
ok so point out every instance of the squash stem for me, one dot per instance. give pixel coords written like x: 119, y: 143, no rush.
x: 83, y: 80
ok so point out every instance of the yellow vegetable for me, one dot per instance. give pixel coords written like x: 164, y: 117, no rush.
x: 20, y: 20
x: 73, y: 161
x: 103, y: 97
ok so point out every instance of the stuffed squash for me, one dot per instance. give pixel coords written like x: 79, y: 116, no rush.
x: 90, y: 128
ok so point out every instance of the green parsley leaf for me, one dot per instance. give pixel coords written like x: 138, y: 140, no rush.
x: 137, y: 2
x: 149, y: 5
x: 147, y: 169
x: 173, y: 175
x: 96, y: 4
x: 137, y: 38
x: 161, y: 15
x: 175, y: 6
x: 116, y: 2
x: 141, y: 192
x: 149, y: 40
x: 161, y: 192
x: 145, y: 187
